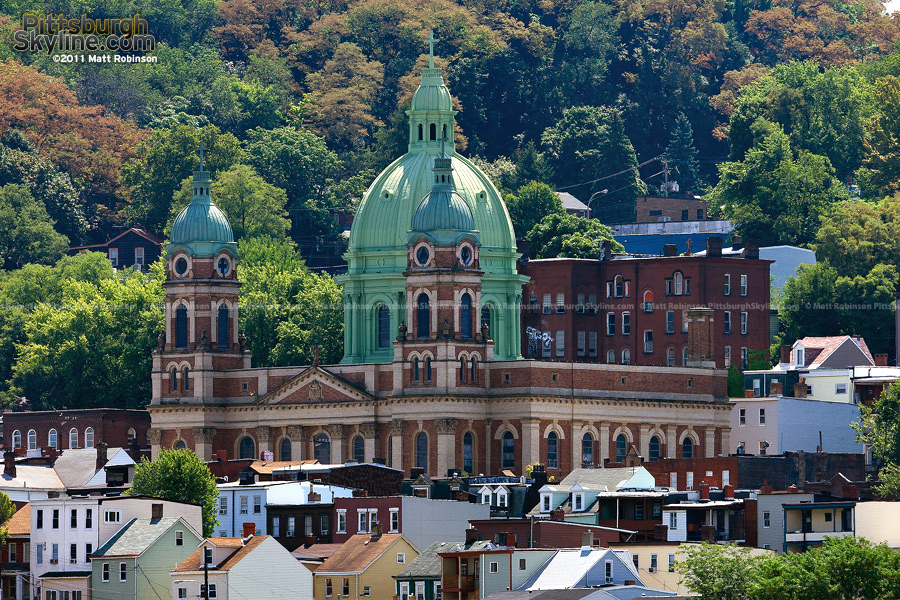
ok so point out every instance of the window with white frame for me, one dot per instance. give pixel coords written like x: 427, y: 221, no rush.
x: 673, y: 520
x: 560, y: 303
x: 742, y: 417
x: 501, y: 498
x: 245, y: 505
x: 727, y: 284
x: 626, y: 323
x: 578, y: 501
x: 362, y: 519
x: 648, y: 341
x: 112, y: 516
x: 495, y: 567
x: 653, y: 563
x: 592, y: 344
x: 767, y: 519
x: 726, y: 478
x: 744, y: 317
x: 727, y: 356
x: 276, y: 526
x: 690, y: 478
x: 610, y: 323
x: 762, y: 416
x: 223, y: 505
x: 257, y: 505
x: 727, y: 321
x: 291, y: 528
x: 545, y: 503
x: 342, y: 520
x: 582, y: 343
x: 104, y: 572
x: 743, y: 285
x: 840, y: 388
x: 395, y: 520
x: 401, y: 558
x: 546, y: 304
x: 560, y: 342
x: 123, y: 571
x: 670, y: 321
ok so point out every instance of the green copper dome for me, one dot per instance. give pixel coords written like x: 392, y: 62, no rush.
x: 201, y: 224
x: 432, y: 93
x: 443, y: 209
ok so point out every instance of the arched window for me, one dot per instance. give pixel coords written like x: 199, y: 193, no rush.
x: 621, y: 447
x: 678, y: 280
x: 670, y: 357
x: 359, y: 449
x: 610, y: 356
x: 32, y: 439
x: 462, y: 369
x: 130, y: 434
x: 684, y: 355
x: 384, y: 327
x: 654, y: 449
x: 433, y: 130
x: 587, y: 450
x: 626, y: 356
x: 173, y: 375
x: 648, y: 301
x: 181, y: 327
x: 421, y: 132
x: 423, y: 314
x: 73, y: 438
x: 247, y: 448
x: 469, y: 452
x: 415, y: 369
x: 180, y: 445
x: 465, y: 316
x: 620, y: 286
x: 552, y: 451
x: 223, y: 325
x: 322, y: 448
x: 186, y: 379
x: 509, y: 451
x: 422, y: 450
x: 474, y: 363
x: 51, y: 439
x: 89, y: 437
x: 17, y: 439
x: 284, y: 451
x: 427, y: 368
x: 687, y: 448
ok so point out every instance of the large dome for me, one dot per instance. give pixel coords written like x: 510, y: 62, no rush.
x: 201, y: 222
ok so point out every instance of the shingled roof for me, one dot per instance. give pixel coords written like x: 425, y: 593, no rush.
x: 357, y: 553
x: 194, y: 562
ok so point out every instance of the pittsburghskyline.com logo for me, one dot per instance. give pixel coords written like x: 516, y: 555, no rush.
x: 57, y: 35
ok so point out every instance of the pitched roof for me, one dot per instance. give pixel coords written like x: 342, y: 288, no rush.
x: 32, y: 476
x: 357, y: 553
x: 609, y: 479
x: 570, y: 202
x: 266, y: 468
x: 428, y: 564
x: 147, y: 235
x: 565, y: 569
x: 817, y: 350
x: 78, y: 466
x: 20, y: 522
x: 315, y: 551
x: 136, y: 536
x: 194, y: 562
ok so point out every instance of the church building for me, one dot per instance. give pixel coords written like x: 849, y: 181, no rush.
x: 433, y: 374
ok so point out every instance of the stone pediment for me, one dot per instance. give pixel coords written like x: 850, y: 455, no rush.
x: 314, y: 385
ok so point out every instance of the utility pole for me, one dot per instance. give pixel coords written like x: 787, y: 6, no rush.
x: 665, y: 162
x: 205, y: 577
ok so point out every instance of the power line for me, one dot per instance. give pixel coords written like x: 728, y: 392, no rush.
x: 646, y: 162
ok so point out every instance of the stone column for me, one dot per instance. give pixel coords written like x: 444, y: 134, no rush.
x: 575, y: 435
x: 155, y: 437
x: 488, y: 443
x: 264, y: 439
x: 446, y: 445
x: 531, y: 442
x: 604, y: 443
x: 203, y: 442
x: 336, y: 435
x: 396, y: 427
x: 726, y: 441
x: 709, y: 445
x: 295, y: 434
x: 645, y: 441
x: 671, y: 441
x: 369, y: 432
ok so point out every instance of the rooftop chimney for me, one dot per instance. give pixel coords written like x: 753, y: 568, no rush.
x: 101, y: 455
x: 785, y: 354
x: 156, y: 512
x: 9, y: 464
x: 766, y: 488
x: 751, y: 250
x: 713, y: 246
x: 728, y: 491
x: 737, y: 242
x: 670, y: 250
x: 587, y: 539
x: 471, y: 535
x: 249, y: 529
x: 376, y: 532
x: 605, y: 250
x: 704, y: 490
x: 881, y: 360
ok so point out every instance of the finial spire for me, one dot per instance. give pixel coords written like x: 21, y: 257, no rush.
x: 431, y: 41
x: 201, y: 148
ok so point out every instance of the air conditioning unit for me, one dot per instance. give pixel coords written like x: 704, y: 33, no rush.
x: 609, y: 580
x: 652, y: 569
x: 54, y: 561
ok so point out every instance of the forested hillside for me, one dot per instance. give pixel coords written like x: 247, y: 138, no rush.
x: 786, y: 113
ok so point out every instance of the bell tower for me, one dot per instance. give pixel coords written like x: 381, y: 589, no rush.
x: 201, y: 307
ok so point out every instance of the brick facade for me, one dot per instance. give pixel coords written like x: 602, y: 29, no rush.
x: 109, y: 425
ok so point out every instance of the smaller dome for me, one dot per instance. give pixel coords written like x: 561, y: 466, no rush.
x: 432, y: 94
x: 201, y: 220
x: 443, y: 210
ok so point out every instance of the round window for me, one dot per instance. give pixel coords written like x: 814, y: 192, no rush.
x: 422, y: 255
x: 224, y: 267
x: 181, y: 265
x: 466, y: 255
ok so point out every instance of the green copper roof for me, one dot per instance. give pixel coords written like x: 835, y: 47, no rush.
x: 443, y: 209
x: 432, y: 94
x: 201, y: 220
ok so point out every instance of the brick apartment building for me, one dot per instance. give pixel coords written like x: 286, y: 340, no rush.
x: 653, y: 209
x: 65, y: 429
x: 632, y: 310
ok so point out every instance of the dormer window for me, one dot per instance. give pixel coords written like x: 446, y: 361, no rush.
x: 545, y: 502
x: 486, y: 497
x: 577, y: 501
x: 501, y: 498
x: 799, y: 356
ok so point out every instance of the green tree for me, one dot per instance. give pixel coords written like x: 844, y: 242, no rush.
x: 879, y: 428
x: 777, y: 196
x: 531, y: 204
x: 316, y: 318
x: 559, y: 234
x: 856, y: 236
x: 253, y: 207
x: 883, y: 142
x: 586, y: 49
x: 180, y: 476
x: 7, y: 510
x: 92, y: 346
x: 162, y: 163
x: 26, y: 230
x: 531, y: 166
x: 589, y: 143
x: 682, y: 155
x: 717, y: 572
x: 298, y: 162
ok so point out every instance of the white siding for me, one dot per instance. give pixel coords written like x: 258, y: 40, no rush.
x: 270, y: 572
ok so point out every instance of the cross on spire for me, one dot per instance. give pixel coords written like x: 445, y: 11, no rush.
x: 316, y: 354
x: 431, y: 41
x: 201, y: 148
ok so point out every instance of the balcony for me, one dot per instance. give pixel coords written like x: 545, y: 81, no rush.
x: 814, y: 536
x: 459, y: 583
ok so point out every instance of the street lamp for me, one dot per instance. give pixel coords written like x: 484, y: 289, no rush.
x: 594, y: 195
